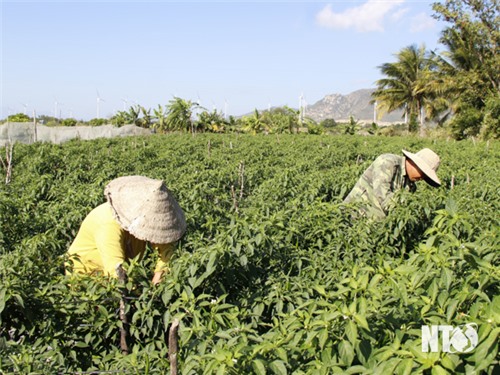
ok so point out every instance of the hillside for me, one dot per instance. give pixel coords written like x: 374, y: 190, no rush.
x: 341, y: 107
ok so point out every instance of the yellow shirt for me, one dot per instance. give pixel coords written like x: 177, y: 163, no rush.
x: 101, y: 245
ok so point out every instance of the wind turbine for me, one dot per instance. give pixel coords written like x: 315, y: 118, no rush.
x: 125, y: 101
x: 302, y: 107
x: 25, y: 108
x: 99, y: 100
x: 198, y: 108
x: 56, y: 104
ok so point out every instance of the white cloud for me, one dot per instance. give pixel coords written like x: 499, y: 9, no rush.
x: 422, y: 22
x: 398, y: 14
x: 366, y: 17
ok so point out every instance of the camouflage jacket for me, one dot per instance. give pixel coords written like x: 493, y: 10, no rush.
x: 377, y: 185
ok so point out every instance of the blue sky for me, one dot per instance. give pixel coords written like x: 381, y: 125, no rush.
x: 234, y: 56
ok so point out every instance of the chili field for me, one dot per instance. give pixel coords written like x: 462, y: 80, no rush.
x: 273, y: 276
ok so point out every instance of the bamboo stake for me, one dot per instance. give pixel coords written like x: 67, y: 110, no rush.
x: 235, y: 201
x: 122, y: 277
x: 173, y: 346
x: 242, y: 178
x: 34, y: 124
x: 7, y: 164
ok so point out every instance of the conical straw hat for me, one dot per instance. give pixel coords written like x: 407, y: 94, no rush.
x: 428, y: 162
x: 146, y: 208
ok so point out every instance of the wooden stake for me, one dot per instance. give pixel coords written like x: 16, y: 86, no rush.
x: 242, y: 178
x: 452, y: 181
x: 7, y: 164
x: 235, y: 201
x: 122, y: 277
x: 173, y: 346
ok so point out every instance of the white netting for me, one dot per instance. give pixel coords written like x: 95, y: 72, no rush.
x: 27, y: 132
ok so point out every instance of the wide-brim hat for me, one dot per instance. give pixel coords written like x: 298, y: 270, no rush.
x: 428, y: 162
x: 146, y: 208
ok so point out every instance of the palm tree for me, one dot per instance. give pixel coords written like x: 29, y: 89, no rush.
x: 133, y: 115
x: 255, y: 124
x: 145, y: 120
x: 160, y: 118
x: 469, y: 68
x: 180, y: 114
x: 282, y: 119
x: 406, y: 85
x: 211, y: 121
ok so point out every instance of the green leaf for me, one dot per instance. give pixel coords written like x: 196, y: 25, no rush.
x: 361, y: 320
x: 221, y: 370
x: 346, y: 352
x: 404, y: 367
x: 322, y: 337
x: 320, y: 289
x: 351, y: 331
x: 281, y: 353
x: 490, y: 344
x: 258, y: 367
x: 19, y: 300
x: 438, y: 370
x: 278, y: 367
x: 356, y: 370
x: 450, y: 311
x: 447, y: 363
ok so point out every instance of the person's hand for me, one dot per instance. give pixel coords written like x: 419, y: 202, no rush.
x: 157, y: 277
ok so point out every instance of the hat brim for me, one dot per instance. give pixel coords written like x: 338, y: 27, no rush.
x: 146, y: 209
x: 430, y: 175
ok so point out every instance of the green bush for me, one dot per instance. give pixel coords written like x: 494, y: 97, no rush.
x: 491, y: 121
x: 466, y: 123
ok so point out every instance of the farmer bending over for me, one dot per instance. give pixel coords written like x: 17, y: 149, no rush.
x: 389, y: 173
x: 138, y: 210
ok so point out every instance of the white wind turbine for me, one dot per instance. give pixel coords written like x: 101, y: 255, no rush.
x: 302, y: 107
x: 99, y: 100
x: 125, y: 101
x: 56, y: 108
x: 25, y: 108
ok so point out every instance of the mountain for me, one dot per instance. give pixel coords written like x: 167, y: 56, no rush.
x: 341, y: 107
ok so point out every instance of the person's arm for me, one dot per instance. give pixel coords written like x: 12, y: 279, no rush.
x: 157, y: 277
x: 165, y: 253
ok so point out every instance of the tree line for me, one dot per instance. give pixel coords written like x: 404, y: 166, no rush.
x: 459, y: 87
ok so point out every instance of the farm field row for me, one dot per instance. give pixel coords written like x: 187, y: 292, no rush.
x: 273, y: 276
